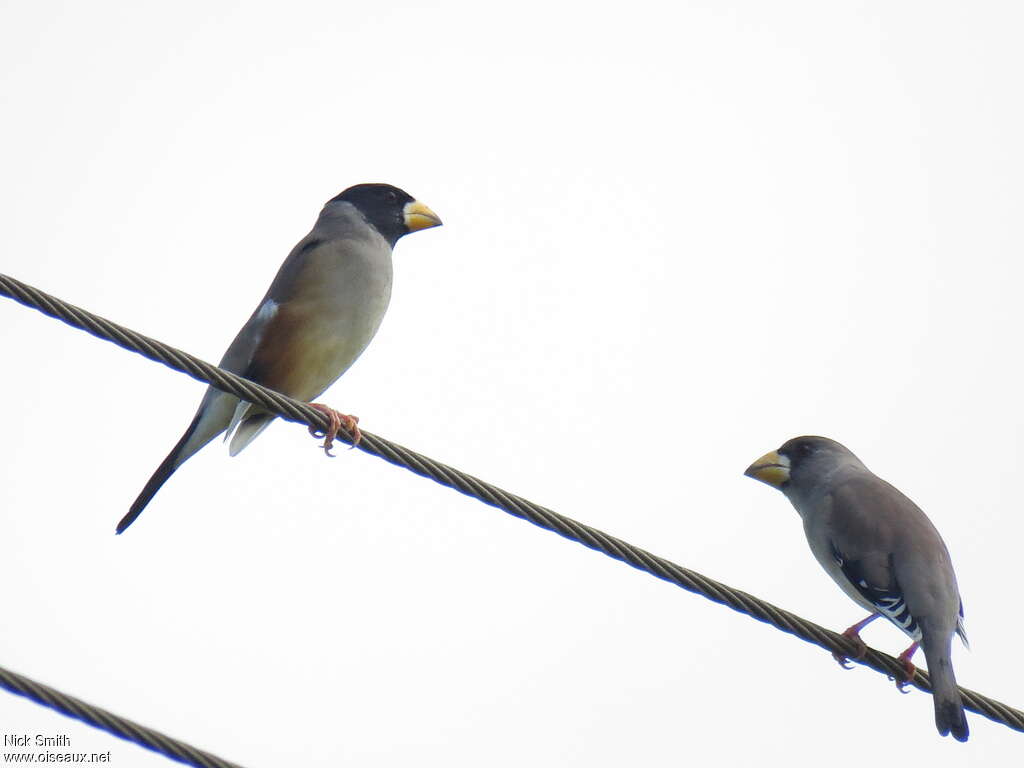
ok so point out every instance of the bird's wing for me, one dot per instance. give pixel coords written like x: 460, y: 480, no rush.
x: 239, y: 355
x: 884, y: 593
x: 864, y: 542
x: 259, y: 338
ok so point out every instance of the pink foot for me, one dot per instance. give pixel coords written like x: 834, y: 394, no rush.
x: 337, y: 419
x: 908, y: 668
x: 853, y: 633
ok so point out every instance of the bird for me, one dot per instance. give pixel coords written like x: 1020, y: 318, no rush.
x: 319, y: 314
x: 882, y: 551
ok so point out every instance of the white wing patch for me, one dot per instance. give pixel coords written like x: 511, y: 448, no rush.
x: 894, y: 608
x: 266, y: 311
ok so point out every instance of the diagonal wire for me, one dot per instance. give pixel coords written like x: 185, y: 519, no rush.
x: 109, y: 722
x: 593, y: 538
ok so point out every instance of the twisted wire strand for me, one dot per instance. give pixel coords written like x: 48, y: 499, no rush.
x: 109, y: 722
x: 424, y: 466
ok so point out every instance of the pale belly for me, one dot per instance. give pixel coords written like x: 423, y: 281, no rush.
x: 330, y: 344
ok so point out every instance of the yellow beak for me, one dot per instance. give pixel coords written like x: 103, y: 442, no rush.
x: 772, y: 468
x: 419, y: 216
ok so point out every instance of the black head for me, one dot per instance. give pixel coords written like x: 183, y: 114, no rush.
x: 392, y: 211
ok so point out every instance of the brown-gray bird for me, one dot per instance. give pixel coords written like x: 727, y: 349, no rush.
x: 320, y: 313
x: 882, y: 550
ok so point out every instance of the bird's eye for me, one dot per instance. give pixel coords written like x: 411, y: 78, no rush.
x: 806, y: 449
x: 392, y: 195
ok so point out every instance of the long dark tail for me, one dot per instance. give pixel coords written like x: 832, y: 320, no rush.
x: 949, y: 709
x: 174, y: 460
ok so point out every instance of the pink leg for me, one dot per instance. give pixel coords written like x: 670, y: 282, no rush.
x: 854, y: 634
x: 908, y: 667
x: 337, y: 419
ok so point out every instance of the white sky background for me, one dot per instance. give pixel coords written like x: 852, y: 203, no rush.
x: 675, y: 236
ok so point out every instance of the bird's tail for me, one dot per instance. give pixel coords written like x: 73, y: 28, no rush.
x: 210, y: 421
x: 163, y: 472
x: 949, y: 709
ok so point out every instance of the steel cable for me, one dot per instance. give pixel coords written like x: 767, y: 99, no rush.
x: 593, y: 538
x: 109, y: 722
